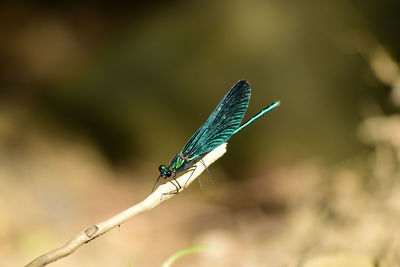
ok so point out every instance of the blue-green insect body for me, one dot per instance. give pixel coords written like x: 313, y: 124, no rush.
x: 222, y: 124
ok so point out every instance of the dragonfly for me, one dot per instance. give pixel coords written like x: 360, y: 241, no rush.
x: 223, y: 123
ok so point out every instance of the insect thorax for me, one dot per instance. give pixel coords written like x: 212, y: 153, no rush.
x: 177, y: 163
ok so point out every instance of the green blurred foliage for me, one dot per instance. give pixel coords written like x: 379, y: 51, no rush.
x: 139, y: 79
x: 95, y: 96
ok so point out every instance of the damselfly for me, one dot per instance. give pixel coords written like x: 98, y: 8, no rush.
x: 220, y: 126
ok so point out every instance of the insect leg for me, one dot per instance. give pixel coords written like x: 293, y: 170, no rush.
x: 209, y: 172
x: 155, y: 184
x: 194, y: 167
x: 172, y: 192
x: 177, y: 185
x: 180, y: 187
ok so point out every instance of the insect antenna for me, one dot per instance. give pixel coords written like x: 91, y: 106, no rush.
x: 155, y: 184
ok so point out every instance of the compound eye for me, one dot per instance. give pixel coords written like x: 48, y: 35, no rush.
x: 161, y: 168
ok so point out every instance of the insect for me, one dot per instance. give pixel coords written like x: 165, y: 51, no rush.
x: 222, y: 124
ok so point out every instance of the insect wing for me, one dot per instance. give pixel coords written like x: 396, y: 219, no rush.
x: 221, y: 124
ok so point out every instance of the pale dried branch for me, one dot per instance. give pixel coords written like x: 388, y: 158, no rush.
x: 162, y: 193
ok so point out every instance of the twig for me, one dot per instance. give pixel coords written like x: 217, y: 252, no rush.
x: 162, y: 193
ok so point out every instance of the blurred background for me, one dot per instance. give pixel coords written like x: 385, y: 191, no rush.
x: 94, y: 97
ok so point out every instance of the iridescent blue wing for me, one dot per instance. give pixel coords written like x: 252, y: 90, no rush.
x: 222, y: 123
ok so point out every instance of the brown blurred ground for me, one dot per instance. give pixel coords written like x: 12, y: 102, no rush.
x: 94, y: 98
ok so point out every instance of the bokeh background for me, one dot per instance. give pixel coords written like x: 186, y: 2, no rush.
x: 94, y: 97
